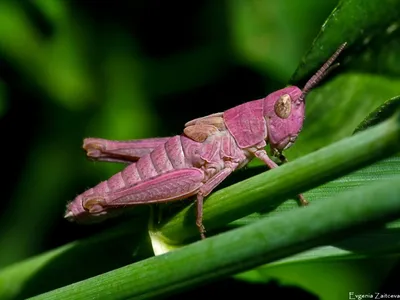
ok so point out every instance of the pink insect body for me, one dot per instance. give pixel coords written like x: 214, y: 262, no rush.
x: 194, y: 163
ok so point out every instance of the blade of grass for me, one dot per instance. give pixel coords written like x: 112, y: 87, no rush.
x: 249, y: 246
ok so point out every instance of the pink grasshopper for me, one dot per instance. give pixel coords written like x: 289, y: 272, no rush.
x: 195, y: 162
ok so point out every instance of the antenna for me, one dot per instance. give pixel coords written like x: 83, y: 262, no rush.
x: 322, y: 72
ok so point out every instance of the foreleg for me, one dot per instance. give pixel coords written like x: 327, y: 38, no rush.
x: 262, y: 154
x: 120, y: 151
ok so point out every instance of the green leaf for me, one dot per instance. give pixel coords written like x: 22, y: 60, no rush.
x: 351, y: 93
x: 356, y: 22
x: 271, y: 36
x: 386, y: 110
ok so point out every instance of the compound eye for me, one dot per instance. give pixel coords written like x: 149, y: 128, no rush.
x: 283, y: 107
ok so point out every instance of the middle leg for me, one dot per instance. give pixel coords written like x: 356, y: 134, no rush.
x: 207, y: 189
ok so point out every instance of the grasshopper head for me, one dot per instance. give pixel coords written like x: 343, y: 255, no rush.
x: 284, y: 109
x: 284, y: 116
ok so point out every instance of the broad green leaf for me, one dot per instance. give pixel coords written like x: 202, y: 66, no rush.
x: 271, y: 36
x: 356, y: 22
x: 350, y: 93
x: 386, y: 110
